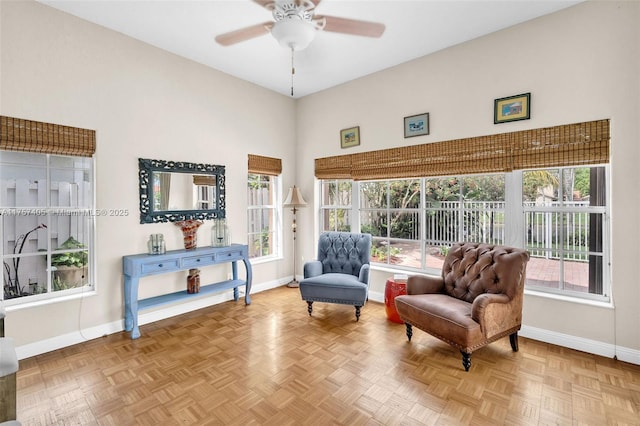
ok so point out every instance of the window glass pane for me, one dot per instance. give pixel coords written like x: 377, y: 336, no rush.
x: 335, y: 205
x: 540, y: 187
x: 23, y: 234
x: 405, y: 225
x: 374, y: 223
x: 405, y: 253
x: 78, y: 163
x: 442, y: 225
x: 69, y: 231
x: 404, y: 194
x: 24, y: 275
x: 373, y: 195
x: 339, y: 220
x: 483, y: 217
x: 23, y: 186
x: 23, y: 158
x: 262, y: 214
x: 336, y: 193
x: 70, y: 188
x: 543, y: 271
x: 441, y: 189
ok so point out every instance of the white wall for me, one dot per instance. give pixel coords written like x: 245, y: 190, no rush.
x: 579, y: 64
x: 142, y: 102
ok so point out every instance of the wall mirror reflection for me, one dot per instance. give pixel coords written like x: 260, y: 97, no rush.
x: 172, y: 191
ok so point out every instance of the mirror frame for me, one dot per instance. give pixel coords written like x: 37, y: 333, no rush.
x: 147, y: 215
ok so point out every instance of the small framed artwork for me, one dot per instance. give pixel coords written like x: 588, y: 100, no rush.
x: 350, y: 137
x: 512, y: 108
x: 416, y: 125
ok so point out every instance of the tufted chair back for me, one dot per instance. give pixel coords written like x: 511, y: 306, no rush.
x: 343, y: 252
x: 472, y: 269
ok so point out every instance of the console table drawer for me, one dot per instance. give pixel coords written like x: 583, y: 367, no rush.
x: 161, y: 266
x: 195, y: 261
x: 230, y: 255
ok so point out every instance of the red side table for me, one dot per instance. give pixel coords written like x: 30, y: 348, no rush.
x: 395, y: 287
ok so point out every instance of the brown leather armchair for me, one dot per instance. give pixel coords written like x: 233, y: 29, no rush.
x: 477, y: 300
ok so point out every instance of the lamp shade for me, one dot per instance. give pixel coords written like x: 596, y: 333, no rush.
x: 294, y: 198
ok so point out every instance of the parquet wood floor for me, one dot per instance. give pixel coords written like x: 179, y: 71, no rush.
x: 271, y: 364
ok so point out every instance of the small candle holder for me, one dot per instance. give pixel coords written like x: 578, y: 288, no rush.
x: 220, y: 233
x: 156, y: 244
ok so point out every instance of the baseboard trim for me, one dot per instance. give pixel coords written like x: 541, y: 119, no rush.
x: 573, y: 342
x: 565, y: 340
x: 83, y: 335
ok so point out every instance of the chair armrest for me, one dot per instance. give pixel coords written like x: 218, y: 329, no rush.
x: 424, y: 284
x: 495, y: 313
x: 312, y: 268
x: 364, y: 274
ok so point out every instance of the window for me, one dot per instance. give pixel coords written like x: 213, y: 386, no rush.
x: 562, y: 214
x: 335, y: 205
x: 47, y: 225
x: 264, y: 214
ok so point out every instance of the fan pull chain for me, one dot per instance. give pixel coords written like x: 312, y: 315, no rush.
x: 293, y: 70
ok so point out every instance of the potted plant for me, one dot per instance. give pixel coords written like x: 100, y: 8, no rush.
x: 70, y: 268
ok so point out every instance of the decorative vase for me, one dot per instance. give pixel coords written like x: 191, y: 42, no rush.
x: 193, y: 281
x: 190, y: 232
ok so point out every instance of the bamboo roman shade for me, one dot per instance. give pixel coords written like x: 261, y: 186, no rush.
x: 569, y: 145
x: 265, y: 165
x: 566, y: 145
x: 17, y: 134
x: 204, y: 180
x: 338, y: 167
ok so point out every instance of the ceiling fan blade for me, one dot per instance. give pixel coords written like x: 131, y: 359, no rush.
x: 267, y: 4
x: 270, y: 4
x: 352, y: 26
x: 243, y: 34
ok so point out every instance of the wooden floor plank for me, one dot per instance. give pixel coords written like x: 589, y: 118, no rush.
x: 270, y: 363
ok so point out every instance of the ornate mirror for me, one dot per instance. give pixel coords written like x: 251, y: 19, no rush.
x: 171, y: 191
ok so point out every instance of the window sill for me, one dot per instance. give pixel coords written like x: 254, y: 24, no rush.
x: 566, y: 298
x: 49, y: 301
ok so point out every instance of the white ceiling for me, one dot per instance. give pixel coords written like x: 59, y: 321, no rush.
x: 414, y: 28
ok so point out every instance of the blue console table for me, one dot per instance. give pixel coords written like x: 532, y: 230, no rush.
x: 142, y: 265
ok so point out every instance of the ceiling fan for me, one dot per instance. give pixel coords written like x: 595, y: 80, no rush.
x: 295, y: 23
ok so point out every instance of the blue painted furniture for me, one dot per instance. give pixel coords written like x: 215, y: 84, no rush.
x: 142, y: 265
x: 340, y: 274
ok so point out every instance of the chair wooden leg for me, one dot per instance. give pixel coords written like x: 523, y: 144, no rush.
x: 357, y: 313
x: 309, y: 307
x: 8, y: 397
x: 513, y: 339
x: 466, y: 360
x: 409, y: 330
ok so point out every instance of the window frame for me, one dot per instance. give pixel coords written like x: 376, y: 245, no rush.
x: 276, y: 209
x: 514, y: 226
x: 50, y: 212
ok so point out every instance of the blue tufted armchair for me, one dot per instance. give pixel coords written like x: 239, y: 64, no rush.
x: 340, y: 274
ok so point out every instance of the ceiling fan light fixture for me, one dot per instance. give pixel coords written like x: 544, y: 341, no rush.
x: 293, y: 33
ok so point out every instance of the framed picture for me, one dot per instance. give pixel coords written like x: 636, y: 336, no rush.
x: 350, y: 137
x: 416, y: 125
x: 512, y: 108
